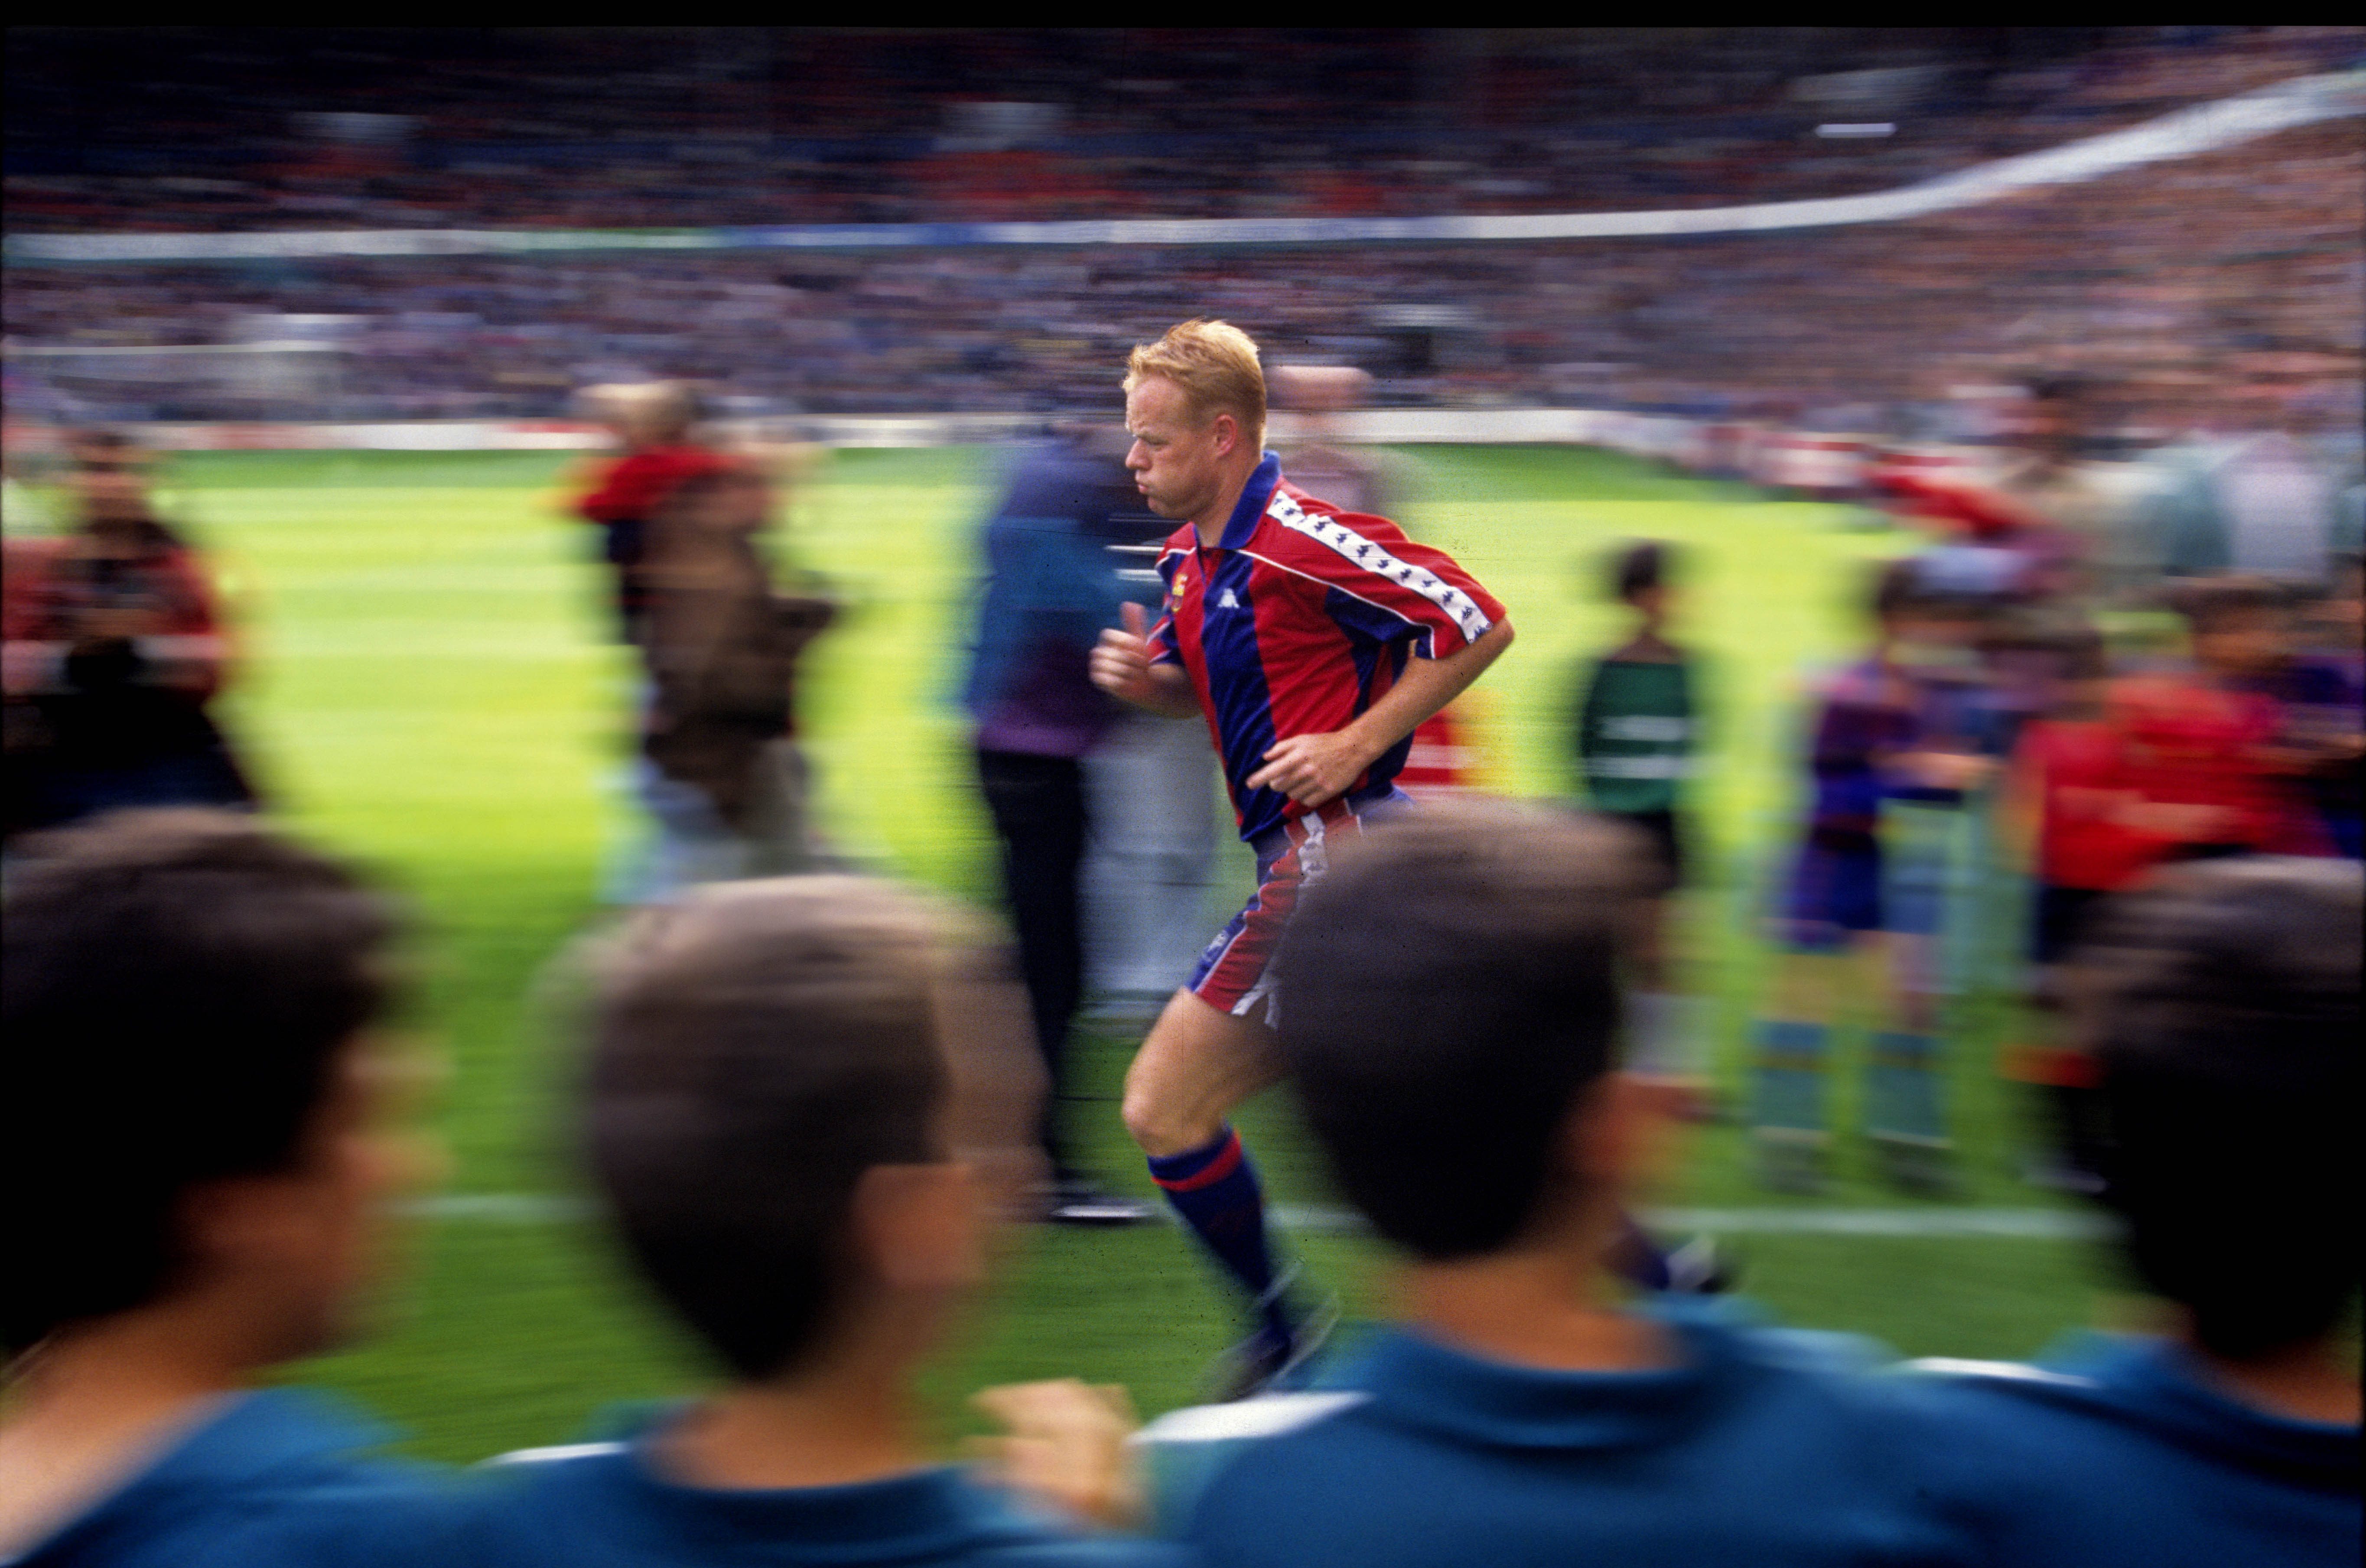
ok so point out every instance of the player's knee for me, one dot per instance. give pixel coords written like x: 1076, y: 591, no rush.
x: 1157, y: 1125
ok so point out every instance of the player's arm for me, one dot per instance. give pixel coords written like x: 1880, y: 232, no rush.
x: 1311, y: 769
x: 1122, y: 666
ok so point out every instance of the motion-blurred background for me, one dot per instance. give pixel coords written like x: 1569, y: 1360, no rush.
x: 342, y: 293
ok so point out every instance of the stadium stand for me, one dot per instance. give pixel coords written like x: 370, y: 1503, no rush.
x: 2180, y: 280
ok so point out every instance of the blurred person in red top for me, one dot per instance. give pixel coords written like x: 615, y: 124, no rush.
x: 653, y: 424
x: 114, y: 648
x: 2069, y: 803
x: 2203, y: 749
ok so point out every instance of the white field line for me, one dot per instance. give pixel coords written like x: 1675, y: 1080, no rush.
x: 2023, y: 1224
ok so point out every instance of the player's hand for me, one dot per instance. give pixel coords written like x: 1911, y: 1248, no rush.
x: 1120, y: 662
x: 1067, y: 1447
x: 1311, y: 769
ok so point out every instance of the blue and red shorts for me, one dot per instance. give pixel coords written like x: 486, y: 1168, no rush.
x: 1232, y: 975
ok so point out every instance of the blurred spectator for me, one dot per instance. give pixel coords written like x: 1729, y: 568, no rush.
x: 651, y: 424
x: 2069, y: 809
x: 115, y: 649
x: 809, y: 1108
x: 2220, y: 1002
x: 723, y: 776
x: 1636, y: 731
x: 1452, y: 1030
x: 2202, y: 748
x: 214, y: 1121
x: 1052, y: 584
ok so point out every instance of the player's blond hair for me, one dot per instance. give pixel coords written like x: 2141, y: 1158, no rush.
x: 1215, y: 363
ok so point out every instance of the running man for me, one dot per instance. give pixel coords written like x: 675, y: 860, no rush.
x: 1313, y: 641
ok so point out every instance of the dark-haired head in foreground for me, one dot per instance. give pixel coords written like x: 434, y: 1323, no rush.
x: 1453, y: 997
x: 183, y: 993
x: 808, y: 1098
x: 2220, y: 1002
x: 194, y: 1160
x: 774, y: 1061
x: 1450, y: 1011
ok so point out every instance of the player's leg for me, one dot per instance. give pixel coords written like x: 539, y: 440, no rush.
x: 1666, y: 1029
x: 1791, y: 1058
x: 1905, y: 1100
x: 2059, y: 1079
x: 1038, y: 807
x: 1213, y: 1048
x: 1834, y: 894
x: 1198, y: 1065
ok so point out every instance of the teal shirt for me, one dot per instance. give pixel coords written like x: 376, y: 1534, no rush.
x: 1776, y: 1449
x: 605, y: 1505
x: 1636, y: 727
x: 2113, y: 1452
x: 278, y: 1478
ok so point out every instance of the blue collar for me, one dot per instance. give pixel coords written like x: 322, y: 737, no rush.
x: 1721, y: 1350
x: 1255, y: 496
x: 930, y: 1515
x: 2158, y: 1385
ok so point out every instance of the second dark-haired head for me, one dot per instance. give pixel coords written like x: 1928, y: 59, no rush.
x: 759, y: 1048
x: 2222, y: 1003
x: 1640, y: 567
x: 1448, y: 994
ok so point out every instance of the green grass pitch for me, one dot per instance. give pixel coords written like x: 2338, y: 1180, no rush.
x: 427, y: 689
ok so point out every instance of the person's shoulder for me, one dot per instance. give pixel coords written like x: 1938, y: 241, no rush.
x: 2139, y: 1384
x: 2106, y: 1451
x: 1311, y: 517
x: 1184, y: 1452
x: 286, y: 1477
x: 597, y: 1502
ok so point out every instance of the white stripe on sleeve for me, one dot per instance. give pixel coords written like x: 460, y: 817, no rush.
x: 1352, y: 546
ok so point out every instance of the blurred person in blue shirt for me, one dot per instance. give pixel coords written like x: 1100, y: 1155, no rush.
x: 2220, y: 1002
x: 1451, y: 1025
x: 203, y: 1132
x: 1051, y: 583
x: 807, y: 1101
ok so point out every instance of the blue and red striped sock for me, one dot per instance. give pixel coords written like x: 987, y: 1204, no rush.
x: 1214, y: 1188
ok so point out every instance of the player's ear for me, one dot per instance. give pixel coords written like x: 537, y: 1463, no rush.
x: 1614, y: 1133
x: 918, y: 1226
x: 1226, y: 429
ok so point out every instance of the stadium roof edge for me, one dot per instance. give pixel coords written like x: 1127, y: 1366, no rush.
x: 2205, y: 128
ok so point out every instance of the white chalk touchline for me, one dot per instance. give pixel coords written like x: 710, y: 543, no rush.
x: 2025, y: 1224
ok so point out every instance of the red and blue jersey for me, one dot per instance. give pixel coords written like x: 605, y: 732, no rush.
x: 1299, y: 618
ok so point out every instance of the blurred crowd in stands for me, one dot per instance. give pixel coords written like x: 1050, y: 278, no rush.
x: 2180, y: 283
x: 379, y: 129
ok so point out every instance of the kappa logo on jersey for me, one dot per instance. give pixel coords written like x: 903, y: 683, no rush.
x: 1374, y: 558
x: 1228, y: 602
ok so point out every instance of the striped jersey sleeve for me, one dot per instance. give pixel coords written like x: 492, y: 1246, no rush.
x: 1379, y: 583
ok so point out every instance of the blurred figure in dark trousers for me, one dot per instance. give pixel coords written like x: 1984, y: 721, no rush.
x: 1051, y: 583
